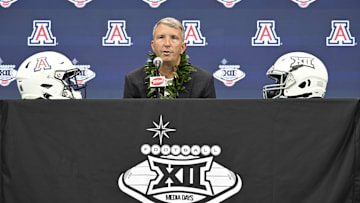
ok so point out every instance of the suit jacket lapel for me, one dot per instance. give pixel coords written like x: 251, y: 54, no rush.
x: 188, y: 87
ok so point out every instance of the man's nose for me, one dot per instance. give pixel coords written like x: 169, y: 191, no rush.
x: 167, y: 41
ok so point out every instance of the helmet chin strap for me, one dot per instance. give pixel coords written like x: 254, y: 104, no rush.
x: 71, y: 94
x: 77, y: 95
x: 57, y: 98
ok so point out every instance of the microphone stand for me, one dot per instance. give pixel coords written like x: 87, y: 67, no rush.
x: 158, y: 88
x: 158, y: 62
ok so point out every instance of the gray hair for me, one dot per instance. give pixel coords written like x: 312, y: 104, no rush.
x: 172, y: 22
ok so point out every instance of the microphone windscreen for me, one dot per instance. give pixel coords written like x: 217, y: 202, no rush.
x: 157, y: 62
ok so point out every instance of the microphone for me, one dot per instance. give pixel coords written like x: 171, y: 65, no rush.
x: 157, y: 81
x: 157, y: 62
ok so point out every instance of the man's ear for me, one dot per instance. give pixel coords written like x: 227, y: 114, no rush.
x: 152, y: 45
x: 183, y: 47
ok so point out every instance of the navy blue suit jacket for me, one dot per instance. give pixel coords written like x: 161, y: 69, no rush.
x: 201, y: 84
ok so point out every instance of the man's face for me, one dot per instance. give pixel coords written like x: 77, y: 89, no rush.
x: 168, y: 44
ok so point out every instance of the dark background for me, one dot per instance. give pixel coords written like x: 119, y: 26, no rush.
x: 228, y: 33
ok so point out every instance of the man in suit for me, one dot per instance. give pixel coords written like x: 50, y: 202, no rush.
x: 168, y: 44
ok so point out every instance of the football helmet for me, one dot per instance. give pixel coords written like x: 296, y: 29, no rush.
x: 297, y: 75
x: 48, y: 75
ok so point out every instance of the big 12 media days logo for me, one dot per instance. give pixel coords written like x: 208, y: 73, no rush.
x: 85, y: 74
x: 229, y: 3
x: 7, y: 73
x: 178, y: 173
x: 154, y: 3
x: 80, y: 3
x: 7, y: 3
x: 303, y: 3
x: 229, y: 74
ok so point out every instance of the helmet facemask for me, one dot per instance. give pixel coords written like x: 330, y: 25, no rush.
x: 282, y: 81
x: 71, y: 87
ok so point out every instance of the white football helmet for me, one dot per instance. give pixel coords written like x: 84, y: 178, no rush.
x: 297, y: 75
x: 48, y: 75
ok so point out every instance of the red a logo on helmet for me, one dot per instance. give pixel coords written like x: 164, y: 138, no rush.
x: 42, y: 64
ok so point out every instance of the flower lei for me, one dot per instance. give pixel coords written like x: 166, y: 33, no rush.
x: 181, y: 76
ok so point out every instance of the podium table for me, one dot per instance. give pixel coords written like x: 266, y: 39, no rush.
x: 198, y: 150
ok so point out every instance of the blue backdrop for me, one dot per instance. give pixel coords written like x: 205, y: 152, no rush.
x: 228, y: 33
